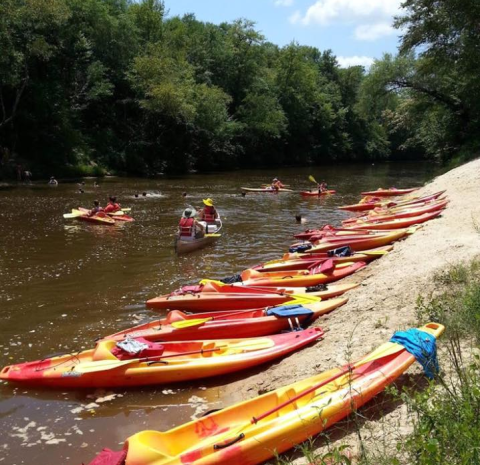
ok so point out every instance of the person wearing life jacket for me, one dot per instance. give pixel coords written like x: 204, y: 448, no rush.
x: 189, y: 227
x: 208, y: 213
x: 96, y: 209
x: 277, y: 184
x: 112, y: 205
x: 322, y: 187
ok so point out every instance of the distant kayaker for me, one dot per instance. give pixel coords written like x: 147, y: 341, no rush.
x: 96, y: 208
x: 184, y: 194
x: 112, y: 205
x: 53, y: 181
x: 277, y: 184
x: 95, y: 184
x: 300, y: 220
x: 144, y: 194
x: 208, y: 212
x: 322, y: 187
x: 189, y: 227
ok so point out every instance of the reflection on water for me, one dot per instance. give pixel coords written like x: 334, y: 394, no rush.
x: 63, y: 283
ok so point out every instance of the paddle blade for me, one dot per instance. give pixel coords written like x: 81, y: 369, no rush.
x: 311, y: 178
x: 190, y: 323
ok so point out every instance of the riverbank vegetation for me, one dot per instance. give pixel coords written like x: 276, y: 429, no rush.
x: 94, y: 85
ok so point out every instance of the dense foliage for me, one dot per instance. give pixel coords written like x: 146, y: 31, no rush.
x: 118, y: 84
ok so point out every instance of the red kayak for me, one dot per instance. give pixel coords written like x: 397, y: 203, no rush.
x: 312, y: 277
x: 236, y: 297
x: 113, y: 216
x: 390, y: 192
x: 317, y: 193
x: 179, y: 326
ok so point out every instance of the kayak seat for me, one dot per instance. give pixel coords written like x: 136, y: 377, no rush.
x: 345, y: 251
x: 103, y: 351
x: 289, y: 311
x: 175, y: 316
x: 187, y: 290
x: 147, y: 349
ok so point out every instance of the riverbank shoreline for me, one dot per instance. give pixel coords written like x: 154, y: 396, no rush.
x: 384, y: 303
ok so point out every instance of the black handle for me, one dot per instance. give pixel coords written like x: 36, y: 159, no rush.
x: 229, y: 443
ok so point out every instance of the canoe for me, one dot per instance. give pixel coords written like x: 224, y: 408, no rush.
x: 371, y: 205
x: 239, y: 297
x: 99, y: 218
x: 179, y: 326
x: 116, y: 217
x: 400, y: 212
x: 187, y: 245
x: 256, y: 430
x: 317, y: 193
x: 311, y: 277
x: 168, y: 362
x: 298, y: 261
x: 396, y: 223
x: 265, y: 189
x: 390, y: 192
x: 359, y: 244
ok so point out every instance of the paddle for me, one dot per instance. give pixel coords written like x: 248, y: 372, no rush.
x: 212, y: 235
x: 73, y: 215
x: 104, y: 365
x: 311, y: 178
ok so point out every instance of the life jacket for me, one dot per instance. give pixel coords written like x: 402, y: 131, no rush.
x: 112, y: 207
x: 209, y: 214
x: 187, y: 227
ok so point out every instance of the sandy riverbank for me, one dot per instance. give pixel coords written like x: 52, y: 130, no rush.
x: 385, y: 302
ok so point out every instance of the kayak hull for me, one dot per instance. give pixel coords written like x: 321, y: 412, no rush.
x: 68, y: 371
x: 222, y: 325
x: 265, y: 190
x: 256, y: 430
x: 317, y: 193
x: 395, y: 224
x: 390, y: 192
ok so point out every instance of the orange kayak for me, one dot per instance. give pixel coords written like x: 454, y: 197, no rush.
x: 317, y: 193
x: 359, y: 244
x: 301, y: 278
x: 99, y: 218
x: 256, y: 430
x: 400, y: 212
x: 217, y: 297
x: 364, y: 255
x: 390, y: 192
x: 394, y: 224
x: 109, y: 366
x: 179, y: 326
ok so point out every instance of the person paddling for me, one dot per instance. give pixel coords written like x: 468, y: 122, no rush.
x: 208, y: 214
x: 112, y: 205
x: 189, y: 227
x: 53, y: 181
x: 322, y: 187
x: 96, y: 209
x: 277, y: 184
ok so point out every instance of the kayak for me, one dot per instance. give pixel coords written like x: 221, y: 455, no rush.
x: 238, y: 297
x: 99, y: 218
x: 258, y: 429
x: 179, y: 326
x: 390, y: 192
x: 401, y: 212
x: 362, y: 206
x: 297, y: 261
x: 265, y: 189
x: 317, y: 193
x: 187, y: 245
x: 311, y: 277
x: 333, y: 233
x: 359, y: 244
x: 168, y: 362
x: 115, y: 216
x: 394, y: 224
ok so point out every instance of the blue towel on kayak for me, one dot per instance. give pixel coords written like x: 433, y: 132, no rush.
x: 287, y: 311
x: 422, y: 345
x: 300, y: 248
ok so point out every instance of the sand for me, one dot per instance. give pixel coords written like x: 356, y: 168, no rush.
x: 385, y: 302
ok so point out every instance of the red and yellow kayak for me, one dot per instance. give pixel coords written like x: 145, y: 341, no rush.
x: 168, y: 362
x: 317, y: 193
x: 301, y: 278
x: 394, y: 224
x: 256, y: 430
x: 390, y: 192
x: 99, y: 218
x: 214, y: 296
x: 268, y: 190
x: 114, y: 216
x: 179, y: 326
x: 358, y: 244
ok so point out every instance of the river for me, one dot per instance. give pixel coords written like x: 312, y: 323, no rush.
x: 64, y: 283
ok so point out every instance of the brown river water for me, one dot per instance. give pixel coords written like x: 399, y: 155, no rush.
x: 64, y: 283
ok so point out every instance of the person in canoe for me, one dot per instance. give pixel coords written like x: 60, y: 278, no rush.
x: 277, y: 184
x: 189, y: 227
x: 53, y: 181
x: 322, y: 187
x: 96, y: 209
x: 112, y: 205
x: 208, y: 213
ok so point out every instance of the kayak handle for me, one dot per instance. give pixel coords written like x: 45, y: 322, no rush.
x: 225, y: 444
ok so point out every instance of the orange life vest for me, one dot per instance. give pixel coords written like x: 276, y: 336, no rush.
x: 187, y: 227
x: 209, y: 214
